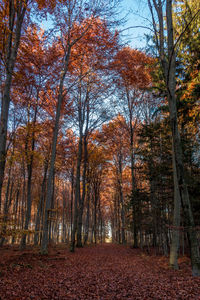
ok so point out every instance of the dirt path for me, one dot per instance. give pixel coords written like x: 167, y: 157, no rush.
x: 104, y: 272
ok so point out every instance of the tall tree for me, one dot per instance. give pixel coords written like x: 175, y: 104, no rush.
x: 12, y: 16
x: 167, y: 59
x: 133, y: 77
x: 115, y: 139
x: 11, y: 19
x: 95, y: 50
x: 74, y: 19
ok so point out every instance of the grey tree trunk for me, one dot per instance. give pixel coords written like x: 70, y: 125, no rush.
x: 95, y: 216
x: 52, y: 213
x: 6, y: 208
x: 130, y: 103
x: 23, y: 196
x: 121, y: 196
x: 77, y: 195
x: 72, y: 200
x: 174, y: 250
x: 63, y: 219
x: 81, y: 207
x: 44, y: 243
x: 16, y: 17
x: 180, y: 187
x: 183, y: 194
x: 15, y: 209
x: 40, y: 205
x: 87, y: 223
x: 29, y: 158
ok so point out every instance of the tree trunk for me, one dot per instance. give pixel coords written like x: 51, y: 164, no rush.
x: 53, y: 157
x: 52, y: 213
x: 64, y: 218
x: 6, y: 209
x: 40, y: 205
x: 15, y: 209
x: 23, y: 198
x: 29, y: 158
x: 81, y: 207
x: 174, y: 250
x: 77, y: 195
x: 95, y: 217
x: 87, y: 223
x: 182, y: 190
x: 72, y: 200
x: 135, y: 229
x: 11, y: 55
x: 121, y: 201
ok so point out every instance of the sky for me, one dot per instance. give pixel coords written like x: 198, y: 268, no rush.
x: 138, y: 15
x: 136, y: 12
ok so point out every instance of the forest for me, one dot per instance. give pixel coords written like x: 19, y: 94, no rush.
x: 99, y: 144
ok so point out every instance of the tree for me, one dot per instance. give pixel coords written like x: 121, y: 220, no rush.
x: 12, y: 16
x: 167, y: 59
x: 74, y: 19
x: 133, y: 78
x: 114, y: 138
x: 11, y: 19
x: 94, y: 51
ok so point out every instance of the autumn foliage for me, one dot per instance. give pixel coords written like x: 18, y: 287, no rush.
x: 86, y: 156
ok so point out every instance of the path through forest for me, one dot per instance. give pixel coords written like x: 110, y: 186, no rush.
x: 103, y: 272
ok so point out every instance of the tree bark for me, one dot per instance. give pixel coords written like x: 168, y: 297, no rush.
x: 174, y: 250
x: 87, y: 223
x: 183, y: 194
x: 72, y: 200
x: 77, y: 196
x: 29, y: 158
x: 40, y: 205
x: 79, y: 231
x: 6, y: 208
x: 180, y: 187
x: 44, y: 243
x: 15, y: 209
x: 13, y: 41
x: 121, y: 200
x: 133, y: 199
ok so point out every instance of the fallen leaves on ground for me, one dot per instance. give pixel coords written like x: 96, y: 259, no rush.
x: 104, y: 272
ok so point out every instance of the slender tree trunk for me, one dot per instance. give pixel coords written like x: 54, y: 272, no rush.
x: 77, y: 195
x: 28, y: 208
x: 15, y: 209
x: 118, y: 221
x: 6, y: 209
x: 99, y: 222
x: 40, y: 205
x: 95, y: 217
x: 44, y: 244
x: 87, y: 223
x: 8, y: 198
x: 174, y: 250
x: 81, y: 207
x: 29, y: 157
x: 96, y: 200
x: 23, y: 195
x: 52, y: 213
x: 182, y: 190
x: 121, y: 202
x: 72, y: 200
x: 135, y: 227
x: 64, y: 219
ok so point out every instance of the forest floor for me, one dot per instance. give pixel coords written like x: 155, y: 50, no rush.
x: 103, y: 272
